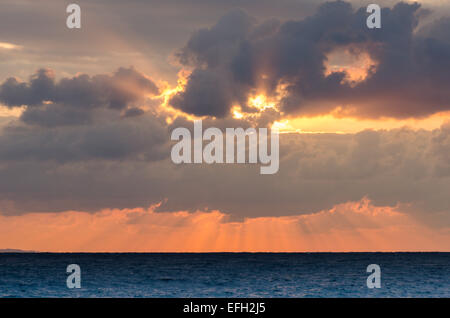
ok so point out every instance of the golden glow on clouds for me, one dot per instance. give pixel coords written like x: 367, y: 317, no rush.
x: 353, y: 226
x: 168, y: 92
x: 355, y: 64
x: 11, y: 112
x: 237, y: 112
x: 331, y: 124
x: 9, y: 46
x: 261, y: 102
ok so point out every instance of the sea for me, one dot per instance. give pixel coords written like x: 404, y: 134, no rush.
x: 224, y: 274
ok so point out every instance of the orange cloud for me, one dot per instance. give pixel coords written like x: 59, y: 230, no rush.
x: 353, y: 226
x: 356, y: 64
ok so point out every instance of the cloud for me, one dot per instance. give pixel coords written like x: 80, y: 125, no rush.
x: 408, y: 78
x: 124, y: 162
x: 39, y: 89
x: 70, y: 100
x: 53, y: 115
x: 9, y: 46
x: 348, y: 227
x: 144, y: 39
x: 89, y: 142
x: 113, y: 138
x: 204, y: 89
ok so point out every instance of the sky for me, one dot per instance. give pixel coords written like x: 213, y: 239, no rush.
x: 86, y: 117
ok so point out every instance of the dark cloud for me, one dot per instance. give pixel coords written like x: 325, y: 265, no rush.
x: 147, y: 32
x: 85, y: 143
x: 41, y: 87
x: 409, y: 80
x: 82, y: 118
x: 134, y: 111
x: 70, y: 100
x: 437, y: 29
x: 144, y: 138
x: 116, y: 91
x: 55, y: 162
x: 317, y: 171
x: 52, y: 115
x: 144, y: 37
x: 126, y: 164
x: 205, y: 88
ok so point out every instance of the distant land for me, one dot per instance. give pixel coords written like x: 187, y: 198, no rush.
x: 11, y: 250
